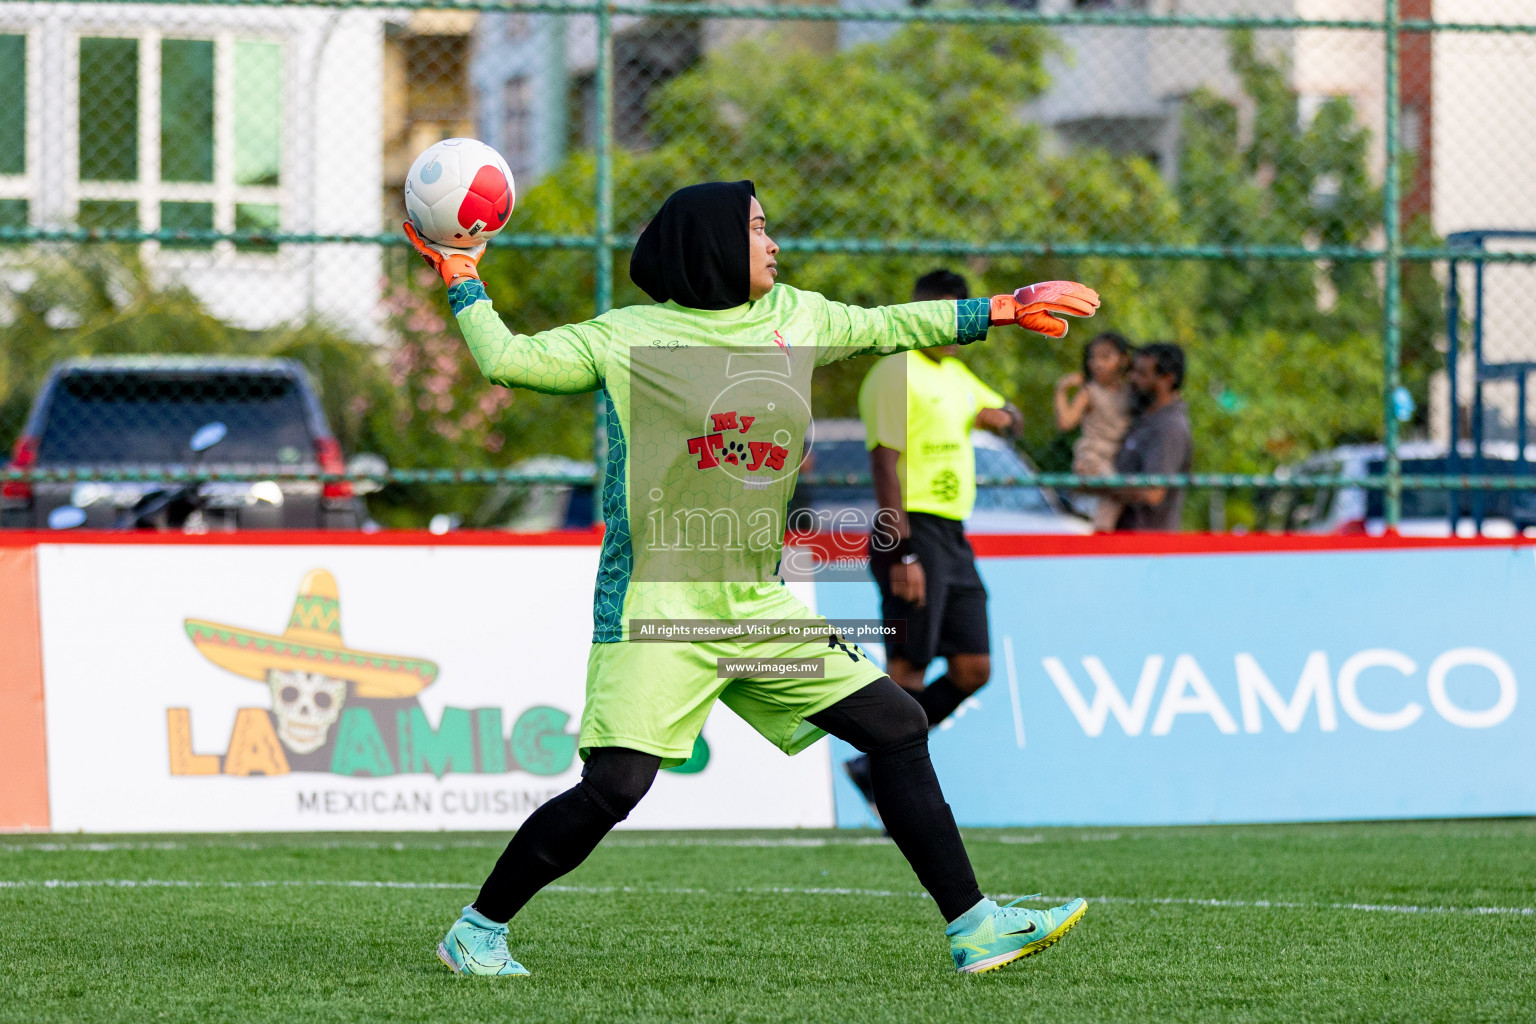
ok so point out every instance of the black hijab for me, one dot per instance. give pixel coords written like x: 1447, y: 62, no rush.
x: 696, y: 251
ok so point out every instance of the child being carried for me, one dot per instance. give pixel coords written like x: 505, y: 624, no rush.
x: 1099, y: 400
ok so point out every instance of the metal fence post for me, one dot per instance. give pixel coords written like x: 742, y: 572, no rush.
x: 602, y: 240
x: 603, y: 154
x: 1392, y: 293
x: 1452, y: 356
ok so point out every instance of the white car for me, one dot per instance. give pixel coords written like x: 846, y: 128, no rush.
x: 1425, y: 513
x: 837, y: 451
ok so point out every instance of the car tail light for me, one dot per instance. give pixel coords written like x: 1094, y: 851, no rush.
x: 23, y: 456
x: 328, y: 454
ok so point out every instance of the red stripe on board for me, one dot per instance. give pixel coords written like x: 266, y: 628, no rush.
x: 824, y: 545
x: 1016, y: 546
x: 315, y: 538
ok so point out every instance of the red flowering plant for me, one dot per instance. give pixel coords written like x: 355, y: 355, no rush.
x: 452, y: 414
x: 430, y: 408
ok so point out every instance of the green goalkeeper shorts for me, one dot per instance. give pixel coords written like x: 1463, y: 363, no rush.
x: 655, y: 696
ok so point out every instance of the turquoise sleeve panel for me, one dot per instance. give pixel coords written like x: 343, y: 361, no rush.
x: 563, y: 361
x: 856, y: 331
x: 972, y: 318
x: 466, y: 293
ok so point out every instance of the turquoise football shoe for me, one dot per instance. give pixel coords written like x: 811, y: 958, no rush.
x: 988, y: 936
x: 477, y: 945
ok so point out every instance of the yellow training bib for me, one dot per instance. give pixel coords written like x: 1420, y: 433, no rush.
x: 925, y: 411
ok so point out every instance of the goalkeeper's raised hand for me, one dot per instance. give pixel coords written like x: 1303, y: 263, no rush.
x: 452, y: 265
x: 1034, y: 307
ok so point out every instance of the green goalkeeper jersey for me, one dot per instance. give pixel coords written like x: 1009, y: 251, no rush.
x: 708, y: 422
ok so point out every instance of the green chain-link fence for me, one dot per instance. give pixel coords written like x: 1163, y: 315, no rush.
x: 1277, y: 185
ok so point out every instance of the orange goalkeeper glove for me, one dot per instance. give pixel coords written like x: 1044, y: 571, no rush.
x: 1033, y: 306
x: 452, y: 265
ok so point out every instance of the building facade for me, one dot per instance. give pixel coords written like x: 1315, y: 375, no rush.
x: 220, y: 118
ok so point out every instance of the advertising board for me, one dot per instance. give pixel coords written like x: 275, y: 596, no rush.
x: 23, y: 763
x: 1265, y: 686
x: 249, y: 686
x: 237, y: 687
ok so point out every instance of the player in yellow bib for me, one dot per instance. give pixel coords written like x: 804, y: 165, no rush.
x: 918, y: 410
x: 708, y: 412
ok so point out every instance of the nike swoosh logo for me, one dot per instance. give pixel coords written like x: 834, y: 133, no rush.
x: 470, y: 958
x: 1022, y: 931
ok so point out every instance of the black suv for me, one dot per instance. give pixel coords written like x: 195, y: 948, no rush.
x: 141, y: 413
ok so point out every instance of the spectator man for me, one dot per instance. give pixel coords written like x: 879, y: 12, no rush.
x: 918, y: 410
x: 1158, y: 442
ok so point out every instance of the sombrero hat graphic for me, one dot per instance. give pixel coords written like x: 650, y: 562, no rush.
x: 311, y: 643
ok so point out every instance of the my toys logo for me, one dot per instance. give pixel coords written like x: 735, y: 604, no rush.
x: 333, y: 708
x: 728, y: 445
x: 756, y: 418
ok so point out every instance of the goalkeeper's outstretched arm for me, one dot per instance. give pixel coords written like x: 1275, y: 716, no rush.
x: 563, y: 361
x: 855, y: 331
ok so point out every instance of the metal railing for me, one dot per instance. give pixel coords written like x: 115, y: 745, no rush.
x: 1390, y: 253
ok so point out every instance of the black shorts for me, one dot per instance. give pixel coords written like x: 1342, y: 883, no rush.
x: 954, y: 618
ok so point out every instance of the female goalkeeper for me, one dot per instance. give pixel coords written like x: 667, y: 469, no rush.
x: 708, y: 420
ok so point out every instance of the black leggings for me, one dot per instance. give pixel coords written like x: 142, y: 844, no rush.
x: 882, y: 720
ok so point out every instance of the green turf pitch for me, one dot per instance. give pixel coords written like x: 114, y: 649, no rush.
x: 778, y: 926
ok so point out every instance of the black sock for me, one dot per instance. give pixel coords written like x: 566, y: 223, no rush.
x: 560, y: 834
x: 920, y: 823
x: 882, y: 721
x: 939, y: 699
x: 553, y: 841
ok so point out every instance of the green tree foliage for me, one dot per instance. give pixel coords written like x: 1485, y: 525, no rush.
x: 916, y: 137
x: 95, y: 300
x: 424, y: 403
x: 1288, y: 358
x: 922, y: 139
x: 1285, y: 186
x: 418, y: 401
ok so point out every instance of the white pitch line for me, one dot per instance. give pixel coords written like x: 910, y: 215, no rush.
x: 616, y: 841
x: 770, y: 890
x: 86, y: 847
x: 770, y: 842
x: 169, y: 883
x: 808, y: 842
x: 1376, y: 908
x: 637, y: 839
x: 1013, y: 691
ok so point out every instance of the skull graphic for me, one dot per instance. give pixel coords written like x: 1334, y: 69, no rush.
x: 306, y: 705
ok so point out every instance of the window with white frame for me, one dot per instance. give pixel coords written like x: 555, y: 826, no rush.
x: 516, y: 123
x: 201, y: 152
x: 14, y: 182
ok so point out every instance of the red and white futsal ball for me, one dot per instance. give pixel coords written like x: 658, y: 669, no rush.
x: 459, y: 193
